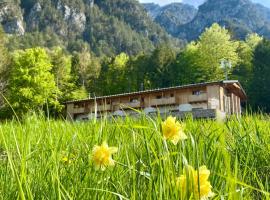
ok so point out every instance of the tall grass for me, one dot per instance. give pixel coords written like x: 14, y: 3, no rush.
x: 236, y: 152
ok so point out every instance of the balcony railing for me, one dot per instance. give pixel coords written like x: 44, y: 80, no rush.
x: 163, y: 101
x: 78, y: 110
x: 103, y: 108
x: 130, y: 105
x: 197, y: 98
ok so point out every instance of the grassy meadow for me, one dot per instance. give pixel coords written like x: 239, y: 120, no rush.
x: 47, y: 159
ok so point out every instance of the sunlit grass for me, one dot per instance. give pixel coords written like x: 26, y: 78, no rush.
x: 46, y: 159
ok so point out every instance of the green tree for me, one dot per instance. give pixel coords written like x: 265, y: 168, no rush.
x: 113, y: 77
x: 185, y: 67
x: 86, y: 69
x: 116, y: 80
x: 260, y: 90
x: 213, y: 45
x: 61, y: 69
x: 160, y: 68
x: 4, y: 57
x: 4, y: 67
x: 79, y: 93
x: 244, y: 70
x: 137, y: 72
x: 32, y: 86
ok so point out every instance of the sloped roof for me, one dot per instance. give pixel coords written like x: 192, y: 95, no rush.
x: 223, y: 82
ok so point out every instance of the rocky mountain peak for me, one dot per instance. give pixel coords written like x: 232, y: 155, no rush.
x: 11, y: 19
x: 171, y: 16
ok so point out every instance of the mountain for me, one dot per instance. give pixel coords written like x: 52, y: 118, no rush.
x: 153, y: 9
x: 239, y: 16
x: 105, y: 26
x: 11, y: 18
x: 171, y: 16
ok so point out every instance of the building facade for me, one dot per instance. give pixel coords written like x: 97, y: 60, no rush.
x: 203, y: 100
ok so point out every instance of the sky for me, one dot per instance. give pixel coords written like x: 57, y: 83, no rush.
x: 160, y: 2
x: 196, y: 2
x: 164, y: 2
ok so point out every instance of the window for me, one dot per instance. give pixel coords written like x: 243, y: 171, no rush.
x: 197, y: 92
x: 159, y: 97
x: 134, y: 100
x: 172, y: 95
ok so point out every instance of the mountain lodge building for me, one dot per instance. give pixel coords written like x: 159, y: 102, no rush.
x: 202, y: 100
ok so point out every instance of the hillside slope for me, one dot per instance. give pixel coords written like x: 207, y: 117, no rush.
x: 108, y: 26
x: 171, y: 16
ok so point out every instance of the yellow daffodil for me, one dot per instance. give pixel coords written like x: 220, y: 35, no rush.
x: 172, y: 130
x: 67, y: 158
x: 102, y: 156
x: 196, y: 182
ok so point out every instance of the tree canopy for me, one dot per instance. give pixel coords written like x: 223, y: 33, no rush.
x: 32, y: 86
x: 260, y: 90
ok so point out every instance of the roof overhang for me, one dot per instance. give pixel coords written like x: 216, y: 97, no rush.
x: 236, y: 87
x: 233, y: 85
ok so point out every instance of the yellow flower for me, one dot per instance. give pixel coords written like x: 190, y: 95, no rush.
x: 173, y: 130
x: 102, y: 156
x: 66, y: 160
x: 195, y: 182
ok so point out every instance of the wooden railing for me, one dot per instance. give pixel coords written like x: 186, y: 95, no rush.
x: 106, y: 107
x: 78, y: 110
x: 163, y: 101
x: 130, y: 105
x: 197, y: 98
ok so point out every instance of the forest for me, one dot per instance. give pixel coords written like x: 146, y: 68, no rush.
x: 40, y: 79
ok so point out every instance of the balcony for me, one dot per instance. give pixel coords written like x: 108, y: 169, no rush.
x: 198, y: 98
x: 103, y: 108
x: 163, y: 101
x: 78, y: 110
x: 136, y: 104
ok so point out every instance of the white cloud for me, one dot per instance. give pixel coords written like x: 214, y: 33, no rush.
x: 160, y: 2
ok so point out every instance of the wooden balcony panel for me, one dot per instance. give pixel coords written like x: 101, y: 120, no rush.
x: 198, y: 98
x: 131, y: 105
x: 163, y: 101
x: 103, y: 108
x: 78, y: 110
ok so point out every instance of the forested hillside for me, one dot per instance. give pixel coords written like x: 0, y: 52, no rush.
x: 106, y: 27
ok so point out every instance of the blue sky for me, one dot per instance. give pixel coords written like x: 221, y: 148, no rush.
x: 164, y: 2
x: 161, y: 2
